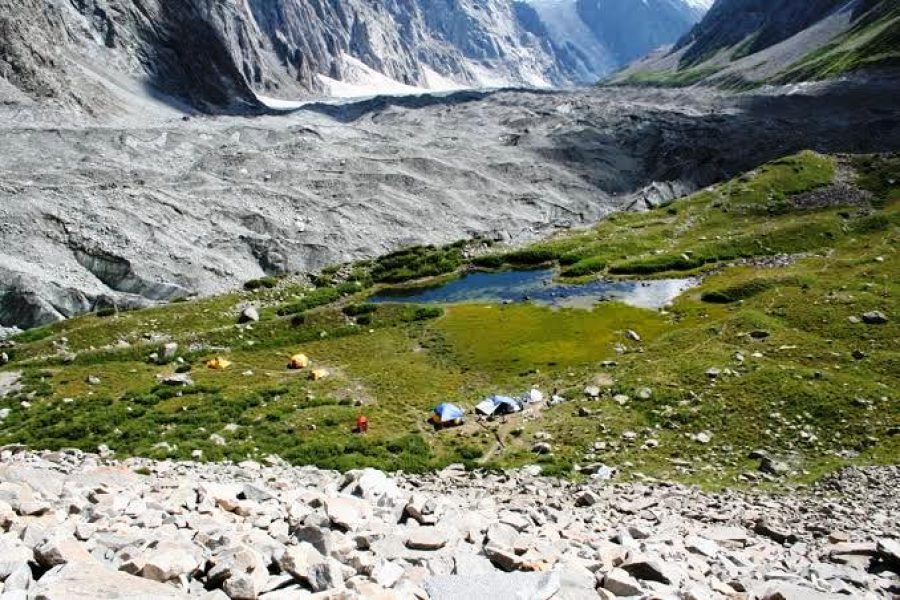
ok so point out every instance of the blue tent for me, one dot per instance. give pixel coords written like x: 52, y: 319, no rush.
x: 447, y: 413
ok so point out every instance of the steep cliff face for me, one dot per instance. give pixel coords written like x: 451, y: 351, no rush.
x: 591, y: 38
x: 219, y: 55
x: 631, y: 28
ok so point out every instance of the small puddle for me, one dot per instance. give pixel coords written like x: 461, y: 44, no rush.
x: 539, y: 287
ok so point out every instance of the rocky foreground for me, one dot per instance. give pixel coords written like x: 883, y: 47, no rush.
x: 78, y: 526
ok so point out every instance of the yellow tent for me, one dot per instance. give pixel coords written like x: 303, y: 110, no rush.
x: 317, y: 374
x: 218, y: 363
x: 298, y: 361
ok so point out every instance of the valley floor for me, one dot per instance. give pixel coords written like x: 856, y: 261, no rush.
x: 780, y: 367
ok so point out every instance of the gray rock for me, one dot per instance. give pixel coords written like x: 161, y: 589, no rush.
x: 176, y: 379
x: 347, y: 513
x: 418, y: 507
x: 20, y: 578
x: 780, y: 534
x: 703, y: 546
x: 772, y: 466
x: 496, y: 586
x: 308, y: 566
x: 170, y: 559
x: 167, y: 352
x: 586, y: 498
x: 620, y: 583
x: 592, y: 391
x: 60, y: 550
x: 542, y: 448
x: 504, y: 558
x: 647, y: 569
x: 91, y: 581
x: 889, y: 551
x: 426, y: 538
x: 789, y: 591
x: 875, y: 317
x: 249, y: 315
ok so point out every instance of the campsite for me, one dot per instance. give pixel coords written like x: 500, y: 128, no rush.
x: 662, y: 391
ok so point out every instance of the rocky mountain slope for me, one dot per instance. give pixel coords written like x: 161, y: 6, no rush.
x: 597, y: 36
x: 742, y: 43
x: 218, y: 56
x: 79, y: 526
x: 133, y: 212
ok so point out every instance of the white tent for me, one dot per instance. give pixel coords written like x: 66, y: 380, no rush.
x: 486, y: 407
x: 533, y: 396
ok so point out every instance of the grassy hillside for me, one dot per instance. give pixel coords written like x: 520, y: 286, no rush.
x: 871, y: 42
x: 791, y: 255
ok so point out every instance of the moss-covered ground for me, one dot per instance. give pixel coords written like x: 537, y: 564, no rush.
x: 788, y: 267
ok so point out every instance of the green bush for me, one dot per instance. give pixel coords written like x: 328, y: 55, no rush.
x: 107, y: 311
x: 425, y: 313
x: 355, y: 310
x: 657, y: 264
x: 489, y: 261
x: 416, y: 263
x: 364, y: 320
x: 313, y: 299
x: 587, y: 266
x: 746, y: 289
x: 262, y: 283
x: 530, y: 256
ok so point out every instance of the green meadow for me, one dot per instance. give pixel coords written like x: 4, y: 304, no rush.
x: 789, y: 262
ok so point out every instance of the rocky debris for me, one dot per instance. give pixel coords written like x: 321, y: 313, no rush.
x: 75, y: 525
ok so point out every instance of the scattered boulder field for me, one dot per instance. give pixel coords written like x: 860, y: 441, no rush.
x: 75, y: 525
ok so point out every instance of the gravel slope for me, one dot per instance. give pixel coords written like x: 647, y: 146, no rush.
x: 80, y: 526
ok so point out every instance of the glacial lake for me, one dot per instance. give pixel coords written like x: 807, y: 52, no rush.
x: 538, y: 286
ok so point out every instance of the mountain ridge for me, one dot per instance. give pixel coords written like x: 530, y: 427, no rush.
x: 231, y: 56
x: 748, y: 43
